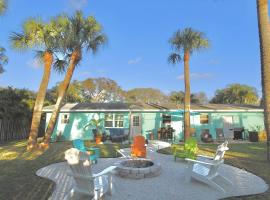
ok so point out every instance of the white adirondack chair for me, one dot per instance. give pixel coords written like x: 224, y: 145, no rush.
x: 220, y: 152
x: 93, y: 186
x: 206, y: 172
x: 123, y: 153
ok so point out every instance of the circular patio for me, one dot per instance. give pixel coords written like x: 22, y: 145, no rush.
x: 170, y: 184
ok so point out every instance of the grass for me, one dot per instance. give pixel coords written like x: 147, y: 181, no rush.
x: 251, y: 157
x: 18, y: 167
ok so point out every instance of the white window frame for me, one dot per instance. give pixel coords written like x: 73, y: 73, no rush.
x: 114, y: 121
x: 135, y: 122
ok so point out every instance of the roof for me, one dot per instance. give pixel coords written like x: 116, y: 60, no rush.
x: 120, y: 106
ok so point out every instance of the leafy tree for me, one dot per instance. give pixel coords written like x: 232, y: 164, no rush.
x: 184, y: 43
x: 236, y: 94
x: 16, y: 104
x: 145, y: 95
x: 3, y: 6
x: 196, y: 98
x: 264, y: 34
x: 80, y: 33
x: 3, y: 59
x: 42, y: 36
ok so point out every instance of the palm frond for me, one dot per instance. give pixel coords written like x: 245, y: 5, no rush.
x: 19, y: 41
x: 60, y: 65
x: 174, y: 58
x: 3, y: 6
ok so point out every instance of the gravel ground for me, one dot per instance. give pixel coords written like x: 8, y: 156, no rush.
x: 170, y: 184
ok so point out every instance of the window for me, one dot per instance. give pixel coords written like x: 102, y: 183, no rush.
x: 118, y: 121
x: 136, y: 120
x: 64, y: 118
x: 109, y: 120
x: 166, y: 119
x: 114, y: 121
x: 204, y: 119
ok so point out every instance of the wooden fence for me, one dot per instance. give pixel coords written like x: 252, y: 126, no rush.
x: 16, y: 129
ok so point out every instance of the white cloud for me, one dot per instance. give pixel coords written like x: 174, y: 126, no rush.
x: 134, y: 61
x: 213, y: 62
x: 35, y: 63
x: 196, y: 76
x: 77, y: 4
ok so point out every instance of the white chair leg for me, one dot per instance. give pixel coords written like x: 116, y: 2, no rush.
x: 110, y: 185
x: 226, y: 180
x: 215, y: 185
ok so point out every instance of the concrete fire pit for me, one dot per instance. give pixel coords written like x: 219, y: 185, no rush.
x: 137, y: 168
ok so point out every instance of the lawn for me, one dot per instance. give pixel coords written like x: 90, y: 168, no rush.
x: 251, y: 157
x: 18, y: 167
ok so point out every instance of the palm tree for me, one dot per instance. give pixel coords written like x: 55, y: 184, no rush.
x: 264, y: 34
x: 3, y: 59
x: 186, y: 42
x: 80, y: 33
x: 3, y: 6
x: 37, y: 34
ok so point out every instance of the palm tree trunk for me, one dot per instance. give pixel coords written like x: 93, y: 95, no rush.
x: 187, y: 97
x: 264, y: 34
x: 75, y: 57
x: 32, y: 140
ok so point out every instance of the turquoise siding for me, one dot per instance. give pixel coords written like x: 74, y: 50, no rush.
x: 152, y: 121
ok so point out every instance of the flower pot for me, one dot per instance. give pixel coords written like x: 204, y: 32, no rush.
x: 98, y: 139
x: 253, y: 136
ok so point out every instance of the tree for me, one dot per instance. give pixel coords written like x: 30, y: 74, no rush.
x: 196, y: 98
x: 145, y: 95
x: 186, y: 42
x: 3, y: 59
x: 3, y: 6
x: 236, y: 94
x: 79, y: 33
x: 264, y: 35
x: 16, y: 104
x: 44, y: 37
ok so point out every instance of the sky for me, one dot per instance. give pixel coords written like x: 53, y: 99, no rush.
x: 138, y: 32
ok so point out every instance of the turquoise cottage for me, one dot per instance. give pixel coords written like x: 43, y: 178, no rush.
x: 148, y: 118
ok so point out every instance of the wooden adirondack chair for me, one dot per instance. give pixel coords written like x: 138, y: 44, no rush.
x: 206, y: 172
x: 87, y: 184
x: 138, y: 148
x: 93, y: 152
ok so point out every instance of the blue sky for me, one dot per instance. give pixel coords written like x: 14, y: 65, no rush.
x: 138, y: 33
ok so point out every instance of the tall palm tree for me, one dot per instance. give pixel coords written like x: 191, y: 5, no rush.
x: 80, y: 33
x: 184, y: 43
x: 3, y: 59
x: 264, y: 34
x: 3, y: 6
x: 37, y: 34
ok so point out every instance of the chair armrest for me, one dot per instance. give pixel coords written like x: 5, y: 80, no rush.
x: 203, y: 156
x: 200, y: 162
x: 105, y: 171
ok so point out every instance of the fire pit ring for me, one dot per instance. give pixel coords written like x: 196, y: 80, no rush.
x: 137, y: 168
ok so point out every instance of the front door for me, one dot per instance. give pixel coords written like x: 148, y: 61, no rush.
x: 136, y: 125
x: 228, y: 127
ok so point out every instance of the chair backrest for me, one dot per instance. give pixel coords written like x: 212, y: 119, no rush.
x: 220, y: 152
x: 79, y: 144
x: 80, y: 166
x: 139, y: 141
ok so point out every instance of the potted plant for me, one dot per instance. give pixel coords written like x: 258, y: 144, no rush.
x: 97, y: 124
x: 253, y: 134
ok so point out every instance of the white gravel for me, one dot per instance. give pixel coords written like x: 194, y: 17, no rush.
x: 169, y: 185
